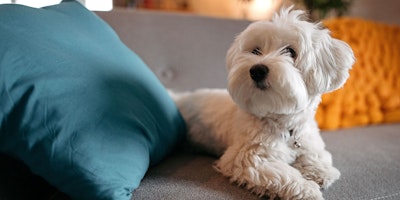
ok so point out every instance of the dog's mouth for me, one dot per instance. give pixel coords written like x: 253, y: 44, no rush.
x: 262, y: 85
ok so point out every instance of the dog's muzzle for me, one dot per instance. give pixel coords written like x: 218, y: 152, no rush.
x: 259, y: 73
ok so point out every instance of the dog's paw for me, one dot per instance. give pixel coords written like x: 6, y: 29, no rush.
x: 309, y: 190
x: 324, y: 177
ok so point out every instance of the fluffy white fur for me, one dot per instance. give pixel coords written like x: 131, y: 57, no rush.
x: 263, y: 128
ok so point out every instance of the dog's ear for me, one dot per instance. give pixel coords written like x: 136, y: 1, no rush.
x: 334, y: 59
x: 232, y: 52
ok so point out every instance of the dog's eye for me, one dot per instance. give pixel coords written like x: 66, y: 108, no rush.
x: 289, y: 51
x: 257, y: 51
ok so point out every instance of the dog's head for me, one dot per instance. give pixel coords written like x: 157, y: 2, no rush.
x: 280, y: 66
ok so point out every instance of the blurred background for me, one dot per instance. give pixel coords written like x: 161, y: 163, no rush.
x: 385, y: 11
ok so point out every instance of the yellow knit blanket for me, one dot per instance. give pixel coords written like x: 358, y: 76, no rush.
x: 372, y: 93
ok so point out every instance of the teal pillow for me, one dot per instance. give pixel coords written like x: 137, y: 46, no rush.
x: 76, y: 105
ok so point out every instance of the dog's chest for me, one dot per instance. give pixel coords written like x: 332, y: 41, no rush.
x: 277, y: 141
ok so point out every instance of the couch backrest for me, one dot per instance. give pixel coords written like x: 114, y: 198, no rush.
x: 184, y: 51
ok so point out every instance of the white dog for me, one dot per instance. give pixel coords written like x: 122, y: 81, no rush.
x: 264, y: 128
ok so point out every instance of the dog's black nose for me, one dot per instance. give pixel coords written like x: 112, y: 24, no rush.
x: 259, y: 72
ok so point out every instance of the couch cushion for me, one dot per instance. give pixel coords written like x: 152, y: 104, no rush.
x: 367, y: 158
x: 77, y: 106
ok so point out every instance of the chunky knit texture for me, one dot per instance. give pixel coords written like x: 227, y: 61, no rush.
x: 372, y: 93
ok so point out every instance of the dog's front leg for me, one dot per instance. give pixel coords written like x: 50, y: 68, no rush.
x: 266, y: 175
x: 316, y: 165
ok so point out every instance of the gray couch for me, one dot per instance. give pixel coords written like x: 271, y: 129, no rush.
x: 188, y: 52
